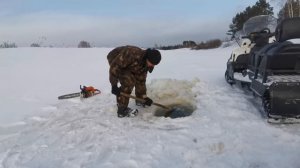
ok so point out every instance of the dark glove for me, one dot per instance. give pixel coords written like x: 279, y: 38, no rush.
x: 148, y: 101
x: 115, y: 90
x: 150, y: 69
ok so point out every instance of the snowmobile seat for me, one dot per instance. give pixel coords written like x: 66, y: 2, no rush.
x: 283, y: 56
x: 284, y: 62
x: 288, y: 29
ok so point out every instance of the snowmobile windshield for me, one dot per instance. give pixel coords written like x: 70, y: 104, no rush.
x: 258, y: 23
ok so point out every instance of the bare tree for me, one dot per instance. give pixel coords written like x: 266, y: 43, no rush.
x: 280, y: 3
x: 293, y: 8
x: 298, y: 7
x: 290, y: 8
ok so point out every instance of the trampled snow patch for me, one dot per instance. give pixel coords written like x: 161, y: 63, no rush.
x: 87, y: 132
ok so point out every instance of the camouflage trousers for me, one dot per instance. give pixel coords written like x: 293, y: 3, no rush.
x: 129, y: 81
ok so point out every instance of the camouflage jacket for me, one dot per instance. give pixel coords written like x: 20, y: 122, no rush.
x: 130, y: 59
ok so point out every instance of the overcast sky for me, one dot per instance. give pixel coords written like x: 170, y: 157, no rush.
x: 112, y: 23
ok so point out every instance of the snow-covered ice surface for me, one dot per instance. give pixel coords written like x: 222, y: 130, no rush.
x: 225, y: 130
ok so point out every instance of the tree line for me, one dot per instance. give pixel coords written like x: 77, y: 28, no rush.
x: 215, y: 43
x: 82, y: 44
x: 8, y: 45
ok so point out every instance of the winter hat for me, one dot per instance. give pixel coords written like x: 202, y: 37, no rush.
x: 153, y: 56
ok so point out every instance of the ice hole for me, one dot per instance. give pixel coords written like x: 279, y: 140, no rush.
x: 176, y: 112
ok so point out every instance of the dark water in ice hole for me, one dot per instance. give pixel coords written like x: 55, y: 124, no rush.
x: 176, y: 112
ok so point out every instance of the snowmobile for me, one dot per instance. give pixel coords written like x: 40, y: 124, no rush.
x: 238, y: 63
x: 274, y: 71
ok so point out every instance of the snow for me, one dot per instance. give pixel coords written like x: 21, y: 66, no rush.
x: 226, y: 129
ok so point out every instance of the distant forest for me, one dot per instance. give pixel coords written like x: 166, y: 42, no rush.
x: 193, y: 45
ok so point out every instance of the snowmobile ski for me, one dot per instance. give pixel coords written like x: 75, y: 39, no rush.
x: 283, y: 120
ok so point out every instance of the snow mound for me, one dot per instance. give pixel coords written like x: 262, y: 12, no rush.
x: 178, y: 95
x: 173, y: 92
